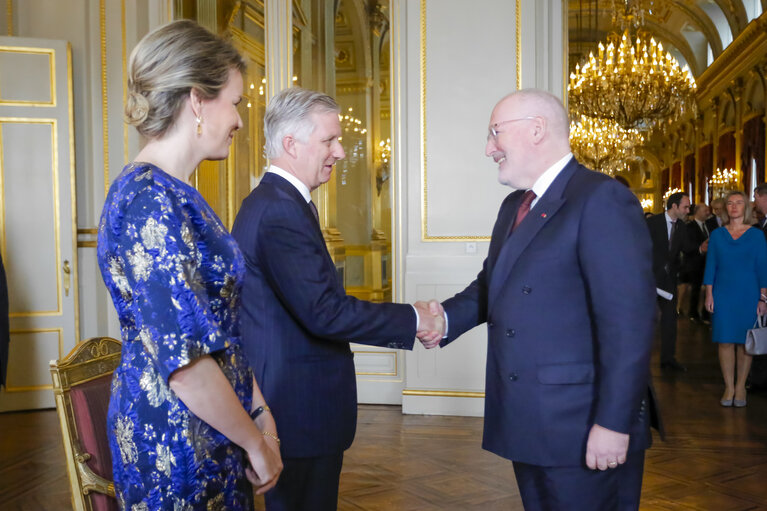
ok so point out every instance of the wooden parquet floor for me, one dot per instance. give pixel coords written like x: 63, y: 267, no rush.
x: 714, y: 458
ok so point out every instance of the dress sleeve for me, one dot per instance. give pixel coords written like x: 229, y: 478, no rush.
x: 711, y: 255
x: 161, y: 258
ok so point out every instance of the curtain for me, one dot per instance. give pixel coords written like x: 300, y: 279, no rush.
x: 676, y: 175
x: 753, y: 148
x: 689, y: 173
x: 706, y: 155
x: 726, y: 157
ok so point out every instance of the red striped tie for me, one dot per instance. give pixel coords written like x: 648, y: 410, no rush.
x: 524, y: 208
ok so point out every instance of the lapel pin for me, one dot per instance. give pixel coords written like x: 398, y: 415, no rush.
x: 543, y: 215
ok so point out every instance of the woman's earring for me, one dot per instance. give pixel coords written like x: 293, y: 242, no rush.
x: 199, y: 125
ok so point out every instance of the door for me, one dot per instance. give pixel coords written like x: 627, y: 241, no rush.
x: 37, y: 214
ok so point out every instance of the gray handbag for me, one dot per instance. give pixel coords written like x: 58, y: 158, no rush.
x: 756, y: 338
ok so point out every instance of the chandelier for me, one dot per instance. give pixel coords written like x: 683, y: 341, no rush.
x: 633, y: 84
x: 670, y: 192
x: 722, y: 181
x: 601, y: 144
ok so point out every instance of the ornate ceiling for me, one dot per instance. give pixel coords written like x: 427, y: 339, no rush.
x: 693, y: 31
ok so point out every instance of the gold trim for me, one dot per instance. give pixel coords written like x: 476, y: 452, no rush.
x: 92, y: 230
x: 519, y: 43
x: 56, y: 204
x: 389, y: 353
x: 425, y: 237
x: 32, y: 388
x: 87, y: 244
x: 104, y: 106
x: 395, y: 93
x: 125, y: 80
x: 9, y: 16
x: 441, y: 393
x: 52, y: 64
x: 73, y: 193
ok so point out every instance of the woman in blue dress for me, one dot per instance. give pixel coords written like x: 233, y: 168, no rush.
x: 188, y: 426
x: 736, y: 287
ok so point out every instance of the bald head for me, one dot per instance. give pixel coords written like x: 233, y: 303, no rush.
x: 529, y: 132
x: 534, y: 102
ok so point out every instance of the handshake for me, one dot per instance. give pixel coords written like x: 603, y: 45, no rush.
x: 431, y: 323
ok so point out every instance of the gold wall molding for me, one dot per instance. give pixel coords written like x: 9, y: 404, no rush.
x: 442, y: 393
x: 9, y: 387
x: 743, y: 54
x: 51, y: 53
x: 425, y: 236
x: 378, y: 373
x: 9, y: 16
x: 73, y: 191
x: 104, y: 99
x: 56, y: 205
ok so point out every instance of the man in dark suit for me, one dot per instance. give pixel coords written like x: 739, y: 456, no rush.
x: 5, y: 337
x: 568, y: 297
x: 694, y: 258
x: 297, y: 321
x: 715, y: 220
x: 760, y: 199
x: 668, y: 239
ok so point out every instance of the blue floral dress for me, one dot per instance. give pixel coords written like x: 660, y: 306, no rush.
x: 175, y: 276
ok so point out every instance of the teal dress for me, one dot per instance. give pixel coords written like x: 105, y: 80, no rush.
x: 736, y: 269
x: 175, y: 275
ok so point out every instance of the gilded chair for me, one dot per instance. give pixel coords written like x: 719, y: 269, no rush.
x: 81, y: 387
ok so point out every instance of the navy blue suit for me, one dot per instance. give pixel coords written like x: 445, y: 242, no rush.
x: 569, y: 303
x: 297, y: 323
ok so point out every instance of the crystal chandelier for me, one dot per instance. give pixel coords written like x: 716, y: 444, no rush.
x: 602, y: 144
x: 634, y: 84
x: 722, y: 181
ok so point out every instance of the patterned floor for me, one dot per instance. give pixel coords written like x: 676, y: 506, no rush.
x: 714, y: 459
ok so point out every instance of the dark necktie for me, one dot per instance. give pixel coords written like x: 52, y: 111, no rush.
x: 673, y: 233
x: 524, y: 208
x: 314, y: 211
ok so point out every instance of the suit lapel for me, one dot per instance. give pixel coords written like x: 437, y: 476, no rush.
x: 513, y: 247
x: 288, y: 188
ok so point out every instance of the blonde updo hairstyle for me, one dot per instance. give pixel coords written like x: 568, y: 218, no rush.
x: 167, y: 64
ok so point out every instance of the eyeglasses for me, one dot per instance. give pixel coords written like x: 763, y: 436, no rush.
x: 493, y: 131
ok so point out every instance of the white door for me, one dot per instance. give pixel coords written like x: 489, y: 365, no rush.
x: 37, y: 213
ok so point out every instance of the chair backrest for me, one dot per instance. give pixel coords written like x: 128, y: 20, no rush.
x: 81, y: 385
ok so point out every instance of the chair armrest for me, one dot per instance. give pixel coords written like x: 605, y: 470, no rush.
x: 90, y: 480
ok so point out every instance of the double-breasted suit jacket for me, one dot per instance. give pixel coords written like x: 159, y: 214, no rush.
x: 297, y: 321
x: 569, y: 303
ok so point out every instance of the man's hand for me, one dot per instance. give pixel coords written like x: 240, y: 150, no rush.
x: 703, y: 247
x: 431, y: 318
x: 605, y: 448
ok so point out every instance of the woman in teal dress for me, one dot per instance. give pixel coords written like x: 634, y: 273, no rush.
x: 736, y: 287
x: 188, y: 427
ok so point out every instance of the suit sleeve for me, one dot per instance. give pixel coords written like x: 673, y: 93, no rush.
x: 298, y: 269
x: 761, y: 260
x: 709, y: 274
x: 620, y: 289
x: 468, y: 308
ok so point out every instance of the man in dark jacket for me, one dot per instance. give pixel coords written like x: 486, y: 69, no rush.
x: 667, y: 233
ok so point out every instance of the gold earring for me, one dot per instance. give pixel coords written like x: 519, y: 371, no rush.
x: 199, y: 125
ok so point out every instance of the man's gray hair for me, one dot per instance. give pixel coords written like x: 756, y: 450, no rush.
x: 289, y: 113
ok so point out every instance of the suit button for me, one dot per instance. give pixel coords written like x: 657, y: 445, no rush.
x: 513, y: 377
x: 490, y: 324
x: 527, y: 290
x: 511, y: 332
